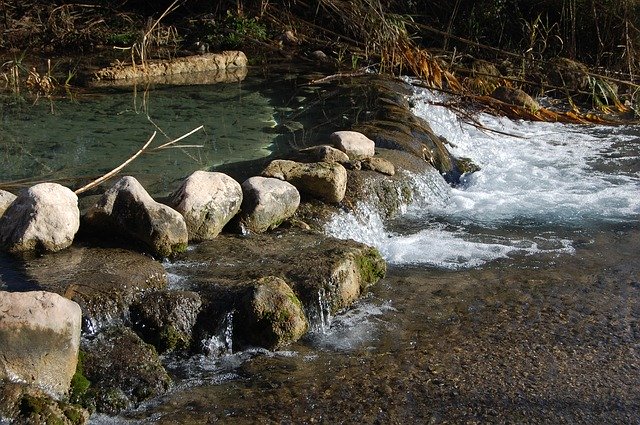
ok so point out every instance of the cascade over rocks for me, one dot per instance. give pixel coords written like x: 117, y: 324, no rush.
x: 207, y: 201
x: 356, y: 145
x: 6, y: 198
x: 267, y: 203
x: 44, y: 217
x: 39, y: 340
x: 323, y: 180
x: 128, y: 210
x: 103, y: 281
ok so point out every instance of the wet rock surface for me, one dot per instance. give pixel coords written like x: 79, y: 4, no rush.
x: 103, y: 281
x: 267, y: 202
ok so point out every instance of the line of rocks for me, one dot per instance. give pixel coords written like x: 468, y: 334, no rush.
x: 270, y: 310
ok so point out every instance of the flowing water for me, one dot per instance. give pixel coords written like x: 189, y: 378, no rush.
x: 512, y: 298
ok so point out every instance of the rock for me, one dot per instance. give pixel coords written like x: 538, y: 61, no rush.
x: 515, y: 97
x: 564, y: 72
x: 6, y: 198
x: 39, y: 340
x: 324, y: 153
x: 23, y: 404
x: 270, y: 315
x: 128, y: 210
x: 353, y: 143
x: 44, y: 217
x: 288, y: 38
x: 315, y: 266
x: 166, y: 318
x: 267, y: 202
x: 323, y: 180
x: 485, y: 77
x: 380, y: 165
x: 103, y: 281
x: 320, y: 56
x: 207, y: 201
x: 123, y: 370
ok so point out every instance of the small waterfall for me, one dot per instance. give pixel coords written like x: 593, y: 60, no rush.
x: 320, y: 315
x: 221, y: 344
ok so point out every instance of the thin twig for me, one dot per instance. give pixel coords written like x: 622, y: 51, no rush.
x: 179, y: 138
x: 116, y: 170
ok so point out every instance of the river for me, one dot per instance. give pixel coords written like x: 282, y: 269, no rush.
x: 512, y: 298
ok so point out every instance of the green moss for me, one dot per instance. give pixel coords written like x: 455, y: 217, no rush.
x: 178, y: 248
x: 30, y: 405
x: 170, y: 339
x: 371, y: 266
x: 79, y: 383
x: 74, y: 414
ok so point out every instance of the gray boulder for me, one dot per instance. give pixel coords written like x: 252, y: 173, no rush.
x: 128, y: 210
x: 44, y: 217
x: 103, y: 281
x: 39, y: 340
x: 6, y: 198
x: 270, y: 315
x: 207, y: 201
x: 166, y: 318
x: 267, y: 203
x: 353, y: 143
x: 324, y: 153
x: 323, y: 180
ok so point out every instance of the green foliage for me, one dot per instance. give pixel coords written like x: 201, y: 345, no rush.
x: 123, y: 39
x: 79, y: 383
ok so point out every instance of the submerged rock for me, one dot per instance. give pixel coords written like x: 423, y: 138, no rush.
x: 356, y: 145
x: 270, y: 315
x: 39, y: 340
x: 103, y: 281
x: 123, y: 370
x: 207, y: 201
x: 267, y: 203
x: 166, y: 318
x: 6, y: 198
x: 323, y: 180
x: 44, y: 217
x: 129, y: 211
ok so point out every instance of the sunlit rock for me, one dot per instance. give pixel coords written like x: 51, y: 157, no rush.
x: 6, y: 198
x: 323, y: 180
x: 123, y: 370
x: 324, y: 153
x: 39, y: 340
x: 207, y: 201
x: 166, y: 318
x: 380, y: 165
x: 103, y: 281
x: 129, y: 211
x: 270, y: 315
x: 44, y: 217
x: 353, y: 143
x: 267, y: 203
x: 515, y: 97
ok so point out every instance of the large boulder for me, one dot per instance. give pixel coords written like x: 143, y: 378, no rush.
x: 353, y: 143
x: 123, y: 370
x: 6, y: 198
x: 270, y: 314
x: 129, y: 211
x: 39, y: 340
x: 323, y: 180
x: 103, y: 281
x: 207, y: 201
x: 267, y: 202
x: 166, y: 318
x: 44, y: 217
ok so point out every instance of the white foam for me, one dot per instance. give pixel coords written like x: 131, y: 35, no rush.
x: 536, y: 177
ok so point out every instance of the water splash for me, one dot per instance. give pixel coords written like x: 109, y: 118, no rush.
x: 222, y: 343
x: 319, y: 315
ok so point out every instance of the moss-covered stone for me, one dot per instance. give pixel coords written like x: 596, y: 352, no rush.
x: 371, y: 267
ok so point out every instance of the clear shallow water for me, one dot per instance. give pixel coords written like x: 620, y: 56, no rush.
x: 75, y: 139
x: 539, y: 186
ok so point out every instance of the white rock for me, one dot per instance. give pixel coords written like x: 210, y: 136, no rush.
x: 207, y: 201
x: 6, y: 198
x: 354, y: 144
x: 39, y: 340
x: 44, y: 217
x: 267, y: 202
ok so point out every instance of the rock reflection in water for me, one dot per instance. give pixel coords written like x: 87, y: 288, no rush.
x: 545, y: 339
